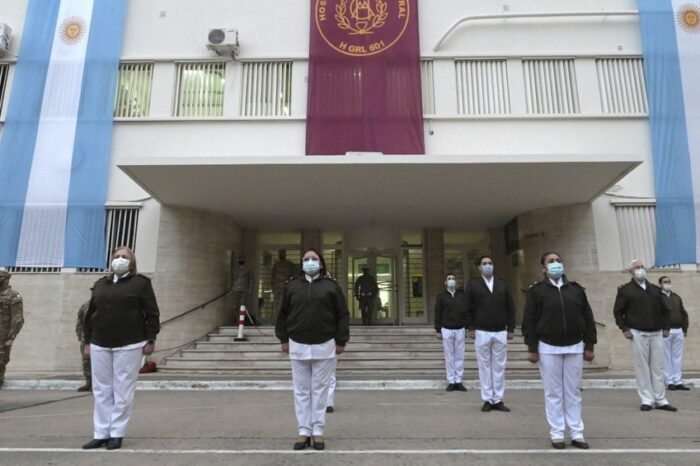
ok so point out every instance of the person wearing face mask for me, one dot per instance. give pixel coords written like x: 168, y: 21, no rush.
x: 120, y: 326
x: 11, y: 320
x: 450, y: 323
x: 560, y: 334
x: 312, y: 326
x: 491, y: 322
x: 673, y: 343
x: 642, y: 316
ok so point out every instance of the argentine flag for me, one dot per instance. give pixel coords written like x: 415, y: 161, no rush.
x: 56, y: 141
x: 671, y: 41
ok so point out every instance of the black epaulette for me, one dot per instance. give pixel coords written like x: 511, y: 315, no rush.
x: 144, y: 276
x: 575, y: 283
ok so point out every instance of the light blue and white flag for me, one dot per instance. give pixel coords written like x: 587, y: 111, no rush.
x: 671, y: 40
x: 56, y: 141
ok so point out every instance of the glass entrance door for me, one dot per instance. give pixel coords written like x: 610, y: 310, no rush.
x: 381, y: 266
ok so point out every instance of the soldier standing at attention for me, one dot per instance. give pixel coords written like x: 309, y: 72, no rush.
x: 11, y: 320
x: 282, y: 271
x: 366, y: 292
x: 86, y: 359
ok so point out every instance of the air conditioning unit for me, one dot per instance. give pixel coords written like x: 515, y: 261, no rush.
x: 223, y: 41
x: 5, y: 35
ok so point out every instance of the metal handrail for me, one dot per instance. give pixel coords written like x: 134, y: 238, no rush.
x: 201, y: 306
x: 530, y: 15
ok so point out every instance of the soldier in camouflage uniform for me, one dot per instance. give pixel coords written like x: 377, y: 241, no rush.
x: 282, y: 272
x: 11, y: 320
x: 86, y: 360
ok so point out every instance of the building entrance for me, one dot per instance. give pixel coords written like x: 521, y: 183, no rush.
x: 376, y: 290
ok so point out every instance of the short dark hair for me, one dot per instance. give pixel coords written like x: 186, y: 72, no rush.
x: 450, y: 275
x: 661, y: 279
x: 477, y: 262
x: 547, y: 254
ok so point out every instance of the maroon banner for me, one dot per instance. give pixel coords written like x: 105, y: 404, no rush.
x: 364, y: 78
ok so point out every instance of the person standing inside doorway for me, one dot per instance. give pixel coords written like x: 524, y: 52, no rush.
x: 560, y: 333
x: 491, y: 321
x: 282, y: 271
x: 450, y: 323
x: 242, y: 280
x: 674, y: 342
x: 366, y: 292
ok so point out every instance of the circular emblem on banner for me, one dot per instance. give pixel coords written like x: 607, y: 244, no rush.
x: 688, y: 18
x: 72, y: 30
x: 361, y: 27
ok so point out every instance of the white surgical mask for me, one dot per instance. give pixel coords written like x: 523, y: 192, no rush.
x: 487, y: 269
x: 311, y: 267
x: 120, y: 265
x: 451, y: 283
x: 640, y: 274
x: 666, y: 287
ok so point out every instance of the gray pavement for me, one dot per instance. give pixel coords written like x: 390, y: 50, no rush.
x: 369, y: 427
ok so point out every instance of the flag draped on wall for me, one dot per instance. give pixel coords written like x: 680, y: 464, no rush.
x: 364, y: 78
x: 56, y: 142
x: 671, y: 42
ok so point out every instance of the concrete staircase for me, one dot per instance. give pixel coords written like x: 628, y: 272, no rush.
x: 375, y: 353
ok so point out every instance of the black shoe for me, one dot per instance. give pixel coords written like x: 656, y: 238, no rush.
x: 450, y: 387
x: 667, y: 407
x: 85, y: 388
x: 115, y: 443
x: 671, y: 387
x: 329, y: 409
x: 302, y: 445
x: 319, y: 445
x: 460, y: 387
x: 95, y: 443
x: 580, y: 444
x: 645, y: 408
x: 486, y: 407
x: 559, y: 444
x: 500, y: 407
x: 680, y: 386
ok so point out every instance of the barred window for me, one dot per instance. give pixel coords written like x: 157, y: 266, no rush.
x: 34, y: 269
x: 428, y: 86
x: 120, y: 230
x: 550, y: 86
x: 133, y: 96
x: 621, y: 84
x: 200, y: 89
x: 4, y: 70
x: 482, y: 87
x: 266, y: 89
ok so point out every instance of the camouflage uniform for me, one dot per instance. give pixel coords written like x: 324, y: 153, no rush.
x: 282, y: 271
x: 11, y: 320
x: 79, y: 332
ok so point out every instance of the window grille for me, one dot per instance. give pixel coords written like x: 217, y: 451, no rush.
x: 428, y: 86
x: 200, y: 89
x: 550, y: 86
x: 637, y: 226
x: 413, y: 285
x: 4, y: 70
x: 34, y: 269
x: 621, y: 84
x: 133, y: 96
x: 120, y: 230
x: 266, y: 89
x: 482, y: 87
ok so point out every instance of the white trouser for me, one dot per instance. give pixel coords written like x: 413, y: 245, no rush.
x: 491, y: 353
x: 648, y: 358
x: 331, y: 385
x: 561, y: 377
x: 673, y: 347
x: 114, y: 376
x: 453, y: 345
x: 311, y: 378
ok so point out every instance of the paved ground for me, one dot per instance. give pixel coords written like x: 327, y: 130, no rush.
x: 369, y: 427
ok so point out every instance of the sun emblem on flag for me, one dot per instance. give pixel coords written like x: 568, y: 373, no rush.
x: 72, y: 30
x: 688, y: 18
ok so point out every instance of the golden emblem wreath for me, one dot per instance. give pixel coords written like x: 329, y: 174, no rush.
x: 378, y: 19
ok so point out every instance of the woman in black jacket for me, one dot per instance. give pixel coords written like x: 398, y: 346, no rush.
x: 120, y: 326
x: 313, y: 326
x: 560, y: 333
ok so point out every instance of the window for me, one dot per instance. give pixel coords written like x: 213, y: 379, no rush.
x: 637, y: 226
x: 34, y: 269
x: 4, y: 70
x: 133, y: 96
x: 200, y: 89
x: 550, y: 86
x: 428, y: 86
x: 482, y: 87
x: 120, y: 229
x: 621, y: 84
x: 267, y: 89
